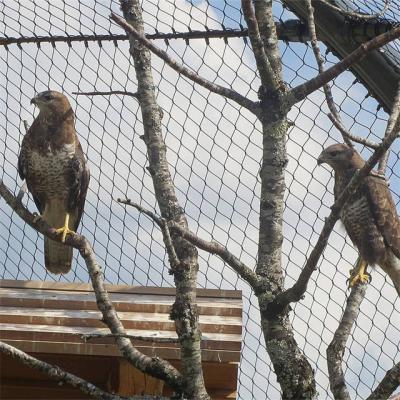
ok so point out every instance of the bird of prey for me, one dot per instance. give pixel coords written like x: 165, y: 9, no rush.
x: 53, y: 164
x: 369, y: 216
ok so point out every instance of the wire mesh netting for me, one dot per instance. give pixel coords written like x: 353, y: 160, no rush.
x: 214, y: 151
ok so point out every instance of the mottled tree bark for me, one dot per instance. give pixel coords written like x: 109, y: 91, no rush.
x: 294, y: 372
x: 184, y: 310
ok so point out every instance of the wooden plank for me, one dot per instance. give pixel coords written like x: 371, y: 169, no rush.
x: 211, y: 341
x: 131, y: 320
x: 131, y: 381
x: 79, y: 300
x: 86, y: 287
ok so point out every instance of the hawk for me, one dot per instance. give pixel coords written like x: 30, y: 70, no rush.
x: 53, y: 164
x: 369, y: 216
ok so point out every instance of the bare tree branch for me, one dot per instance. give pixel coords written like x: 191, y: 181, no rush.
x: 337, y: 347
x: 293, y: 370
x: 391, y: 125
x: 269, y: 36
x: 388, y: 385
x: 346, y: 134
x: 354, y: 14
x: 162, y: 223
x: 188, y: 73
x: 300, y: 92
x: 153, y: 339
x: 263, y: 65
x: 59, y: 375
x: 108, y: 93
x: 321, y: 67
x: 296, y: 292
x: 151, y: 365
x: 184, y: 311
x: 213, y: 247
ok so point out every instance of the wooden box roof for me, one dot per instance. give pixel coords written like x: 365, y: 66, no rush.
x: 50, y: 317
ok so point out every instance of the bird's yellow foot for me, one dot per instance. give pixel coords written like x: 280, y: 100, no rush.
x: 63, y: 231
x: 359, y: 273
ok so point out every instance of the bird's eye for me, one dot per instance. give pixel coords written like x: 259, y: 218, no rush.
x: 334, y: 153
x: 48, y: 97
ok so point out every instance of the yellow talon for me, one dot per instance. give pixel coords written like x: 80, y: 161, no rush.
x: 359, y: 273
x: 65, y: 229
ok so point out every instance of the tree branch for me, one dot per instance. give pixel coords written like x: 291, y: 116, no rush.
x: 321, y: 67
x: 62, y: 376
x: 268, y: 33
x: 391, y: 125
x: 153, y: 339
x: 296, y: 292
x: 300, y: 92
x: 215, y: 248
x: 162, y: 223
x: 388, y: 385
x: 337, y: 347
x: 346, y: 134
x: 184, y: 311
x: 151, y: 365
x: 188, y: 73
x: 108, y: 93
x: 263, y: 65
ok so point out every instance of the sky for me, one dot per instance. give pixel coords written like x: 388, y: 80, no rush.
x: 214, y: 151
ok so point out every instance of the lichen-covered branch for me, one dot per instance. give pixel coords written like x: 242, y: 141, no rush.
x: 151, y: 365
x: 388, y: 385
x: 293, y: 371
x: 337, y: 347
x: 296, y: 292
x: 263, y: 65
x: 300, y: 92
x: 269, y: 36
x: 188, y: 73
x: 184, y: 310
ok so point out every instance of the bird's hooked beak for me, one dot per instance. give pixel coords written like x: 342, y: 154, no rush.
x: 321, y: 159
x: 34, y: 100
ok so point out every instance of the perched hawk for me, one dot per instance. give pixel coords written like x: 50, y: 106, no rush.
x: 369, y: 216
x: 53, y: 164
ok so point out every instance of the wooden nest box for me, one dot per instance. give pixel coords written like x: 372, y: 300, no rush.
x: 48, y: 320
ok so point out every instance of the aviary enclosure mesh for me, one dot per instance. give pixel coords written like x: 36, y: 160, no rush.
x: 214, y: 151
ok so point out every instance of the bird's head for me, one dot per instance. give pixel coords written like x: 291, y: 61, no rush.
x: 340, y: 156
x: 51, y: 102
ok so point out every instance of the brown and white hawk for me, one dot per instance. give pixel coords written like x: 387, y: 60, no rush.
x: 369, y: 216
x: 53, y: 164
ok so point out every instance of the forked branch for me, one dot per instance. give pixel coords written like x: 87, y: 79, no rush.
x: 188, y: 73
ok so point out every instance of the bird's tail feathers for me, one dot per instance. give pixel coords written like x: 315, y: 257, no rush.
x: 57, y: 256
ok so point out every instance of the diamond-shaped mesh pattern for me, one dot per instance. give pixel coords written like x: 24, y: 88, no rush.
x: 214, y: 151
